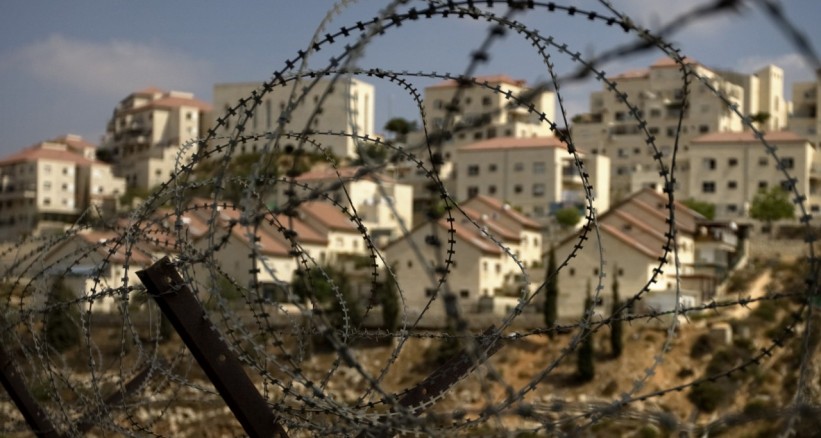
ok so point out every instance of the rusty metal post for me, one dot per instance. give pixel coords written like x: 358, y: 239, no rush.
x: 36, y: 418
x: 225, y: 371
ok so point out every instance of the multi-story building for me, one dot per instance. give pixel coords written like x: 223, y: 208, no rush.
x: 805, y: 119
x: 383, y: 205
x: 346, y: 108
x: 657, y: 92
x: 728, y: 168
x: 145, y: 135
x: 49, y: 185
x: 489, y: 99
x: 535, y: 175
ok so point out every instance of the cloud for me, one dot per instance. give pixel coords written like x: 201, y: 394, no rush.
x: 794, y: 65
x: 110, y: 69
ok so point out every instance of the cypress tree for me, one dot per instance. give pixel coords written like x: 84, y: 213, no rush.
x: 389, y: 298
x: 616, y: 328
x: 585, y: 367
x: 551, y: 293
x: 62, y: 325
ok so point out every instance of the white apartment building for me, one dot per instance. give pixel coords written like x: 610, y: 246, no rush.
x: 493, y: 97
x: 729, y: 168
x: 610, y: 128
x: 146, y: 131
x: 483, y: 277
x: 805, y: 119
x: 48, y: 186
x: 346, y: 108
x: 535, y: 175
x: 383, y: 205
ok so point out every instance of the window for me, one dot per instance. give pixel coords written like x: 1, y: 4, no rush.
x: 64, y: 187
x: 487, y: 101
x: 473, y: 170
x: 491, y: 167
x: 538, y: 167
x: 763, y: 161
x: 637, y: 151
x: 709, y: 164
x: 538, y: 189
x: 708, y: 187
x: 473, y: 191
x: 655, y: 112
x: 671, y: 131
x: 815, y: 208
x: 732, y: 208
x: 188, y: 115
x: 46, y: 185
x: 491, y: 190
x: 732, y: 185
x: 410, y: 263
x: 46, y: 201
x: 498, y: 268
x: 519, y: 167
x: 47, y: 168
x: 703, y: 129
x: 464, y: 293
x: 762, y: 184
x: 572, y: 272
x: 517, y: 189
x: 732, y: 162
x: 429, y: 292
x: 621, y: 272
x: 787, y: 163
x: 654, y: 130
x: 477, y: 136
x: 65, y: 171
x: 622, y: 153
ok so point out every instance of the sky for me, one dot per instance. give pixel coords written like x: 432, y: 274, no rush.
x: 65, y: 65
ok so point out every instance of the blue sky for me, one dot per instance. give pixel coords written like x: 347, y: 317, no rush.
x: 65, y: 65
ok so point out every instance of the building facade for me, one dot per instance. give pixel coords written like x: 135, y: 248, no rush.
x: 534, y: 175
x: 49, y: 185
x: 805, y: 119
x: 728, y: 169
x: 145, y: 136
x: 611, y: 129
x: 346, y: 108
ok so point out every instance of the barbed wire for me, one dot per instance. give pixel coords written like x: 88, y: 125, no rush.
x: 129, y: 374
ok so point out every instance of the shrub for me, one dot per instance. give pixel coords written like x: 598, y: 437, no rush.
x: 709, y: 396
x: 62, y: 325
x: 701, y: 347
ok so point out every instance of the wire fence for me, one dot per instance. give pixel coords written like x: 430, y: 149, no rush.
x: 213, y: 340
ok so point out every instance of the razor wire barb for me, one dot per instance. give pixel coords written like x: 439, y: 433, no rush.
x: 274, y: 341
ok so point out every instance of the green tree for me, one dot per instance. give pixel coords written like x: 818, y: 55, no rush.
x: 616, y: 327
x: 760, y: 117
x: 585, y: 368
x: 312, y: 283
x: 389, y: 299
x: 771, y: 205
x: 551, y: 297
x: 400, y: 128
x: 568, y: 217
x: 705, y: 209
x: 62, y: 324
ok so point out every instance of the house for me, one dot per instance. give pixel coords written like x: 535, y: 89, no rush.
x: 630, y: 244
x: 98, y: 264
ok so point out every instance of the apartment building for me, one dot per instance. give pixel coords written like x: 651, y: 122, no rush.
x: 611, y: 129
x: 535, y: 175
x: 482, y: 276
x: 384, y: 205
x: 805, y: 119
x: 49, y: 185
x: 491, y: 99
x: 346, y: 108
x: 632, y: 237
x: 729, y: 168
x: 146, y: 132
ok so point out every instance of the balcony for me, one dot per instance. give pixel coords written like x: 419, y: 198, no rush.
x: 570, y: 176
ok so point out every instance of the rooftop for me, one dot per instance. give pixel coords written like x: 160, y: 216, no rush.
x: 493, y: 79
x: 501, y: 143
x: 748, y: 137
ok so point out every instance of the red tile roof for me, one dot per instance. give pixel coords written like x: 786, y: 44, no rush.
x: 328, y: 215
x: 38, y: 152
x: 494, y: 227
x: 494, y: 79
x: 501, y: 143
x: 508, y: 211
x: 105, y: 241
x: 472, y: 236
x: 641, y: 73
x: 748, y: 137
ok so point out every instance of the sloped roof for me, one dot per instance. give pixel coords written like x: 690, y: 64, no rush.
x: 265, y: 242
x: 508, y: 211
x: 304, y: 232
x: 344, y: 173
x: 491, y: 79
x: 501, y: 143
x: 328, y: 215
x: 39, y: 152
x: 494, y: 227
x: 471, y: 236
x: 641, y: 73
x: 105, y: 241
